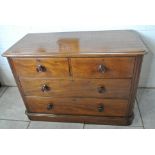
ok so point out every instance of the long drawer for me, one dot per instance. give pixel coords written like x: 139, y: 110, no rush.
x: 42, y: 67
x: 107, y: 88
x: 112, y: 67
x: 77, y: 106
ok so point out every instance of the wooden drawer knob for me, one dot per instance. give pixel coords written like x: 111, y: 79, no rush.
x: 49, y: 106
x: 41, y: 68
x: 101, y: 108
x: 101, y: 90
x: 102, y: 68
x: 45, y: 88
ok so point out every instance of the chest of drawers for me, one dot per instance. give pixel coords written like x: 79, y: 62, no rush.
x: 89, y: 77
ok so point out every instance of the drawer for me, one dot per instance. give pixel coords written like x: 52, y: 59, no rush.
x: 41, y: 67
x: 107, y: 88
x: 115, y: 67
x: 77, y: 106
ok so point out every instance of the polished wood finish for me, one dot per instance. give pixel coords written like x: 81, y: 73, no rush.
x: 77, y: 106
x: 78, y: 44
x: 135, y: 80
x: 114, y: 88
x: 17, y: 80
x: 103, y: 67
x: 85, y: 119
x: 88, y: 77
x: 51, y: 67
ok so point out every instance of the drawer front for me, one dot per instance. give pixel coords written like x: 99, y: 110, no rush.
x: 116, y: 88
x: 77, y: 106
x: 121, y: 67
x: 41, y: 67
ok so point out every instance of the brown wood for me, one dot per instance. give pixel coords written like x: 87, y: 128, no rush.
x: 77, y: 106
x: 114, y: 88
x: 17, y: 81
x: 135, y: 81
x: 53, y: 67
x: 89, y: 44
x: 81, y: 119
x: 90, y: 67
x: 88, y: 77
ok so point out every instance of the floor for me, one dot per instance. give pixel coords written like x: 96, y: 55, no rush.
x: 12, y: 113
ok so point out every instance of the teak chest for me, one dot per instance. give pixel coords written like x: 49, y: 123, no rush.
x: 89, y: 77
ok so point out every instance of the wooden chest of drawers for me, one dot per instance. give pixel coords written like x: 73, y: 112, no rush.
x: 89, y: 77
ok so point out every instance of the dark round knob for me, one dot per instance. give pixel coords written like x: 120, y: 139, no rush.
x: 41, y: 68
x: 101, y: 108
x: 101, y: 89
x: 45, y: 88
x: 49, y: 106
x: 102, y: 68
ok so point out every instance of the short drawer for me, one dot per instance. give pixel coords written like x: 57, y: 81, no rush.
x: 107, y: 88
x: 77, y: 106
x: 41, y: 67
x: 112, y: 67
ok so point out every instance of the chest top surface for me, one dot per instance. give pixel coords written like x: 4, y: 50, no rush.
x: 78, y: 44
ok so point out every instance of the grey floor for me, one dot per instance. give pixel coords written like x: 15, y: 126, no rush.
x: 12, y: 113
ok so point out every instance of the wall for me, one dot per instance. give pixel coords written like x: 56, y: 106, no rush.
x: 11, y: 34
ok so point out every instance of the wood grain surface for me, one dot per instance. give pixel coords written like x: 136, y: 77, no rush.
x: 114, y: 88
x: 53, y: 67
x: 121, y: 67
x: 78, y: 44
x: 78, y: 106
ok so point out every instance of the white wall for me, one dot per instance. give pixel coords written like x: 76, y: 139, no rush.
x: 10, y: 34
